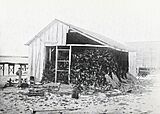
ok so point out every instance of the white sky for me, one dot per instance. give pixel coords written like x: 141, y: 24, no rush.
x: 121, y: 20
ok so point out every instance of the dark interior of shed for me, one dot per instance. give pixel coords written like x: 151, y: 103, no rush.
x: 77, y: 38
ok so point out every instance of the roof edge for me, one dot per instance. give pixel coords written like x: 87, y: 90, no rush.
x: 79, y: 30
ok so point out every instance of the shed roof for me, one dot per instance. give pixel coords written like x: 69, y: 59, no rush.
x: 14, y: 59
x: 100, y: 38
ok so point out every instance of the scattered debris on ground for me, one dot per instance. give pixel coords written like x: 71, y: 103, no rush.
x: 64, y: 98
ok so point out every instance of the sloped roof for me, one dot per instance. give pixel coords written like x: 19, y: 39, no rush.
x: 103, y: 39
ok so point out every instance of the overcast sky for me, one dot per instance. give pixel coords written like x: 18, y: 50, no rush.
x: 121, y: 20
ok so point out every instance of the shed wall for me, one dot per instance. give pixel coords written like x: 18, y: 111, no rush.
x: 55, y: 34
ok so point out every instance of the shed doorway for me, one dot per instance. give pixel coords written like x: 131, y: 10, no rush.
x: 58, y: 62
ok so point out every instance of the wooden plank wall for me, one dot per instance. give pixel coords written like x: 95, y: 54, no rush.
x: 132, y: 63
x: 55, y: 34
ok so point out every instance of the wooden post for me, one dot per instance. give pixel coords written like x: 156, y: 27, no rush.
x: 8, y: 69
x: 3, y: 69
x: 50, y: 54
x: 69, y: 72
x: 13, y: 68
x: 56, y: 64
x: 25, y: 67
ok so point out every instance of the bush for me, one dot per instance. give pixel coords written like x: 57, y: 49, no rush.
x: 48, y: 73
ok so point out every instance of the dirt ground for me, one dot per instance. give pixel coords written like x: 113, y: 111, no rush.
x: 12, y: 101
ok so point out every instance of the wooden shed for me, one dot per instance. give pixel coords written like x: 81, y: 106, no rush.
x: 57, y: 42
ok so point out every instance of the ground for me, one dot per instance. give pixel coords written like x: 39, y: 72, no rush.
x: 13, y: 101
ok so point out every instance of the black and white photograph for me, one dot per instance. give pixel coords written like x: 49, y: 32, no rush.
x: 79, y: 57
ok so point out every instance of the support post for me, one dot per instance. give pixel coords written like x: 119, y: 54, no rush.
x: 69, y: 72
x: 13, y: 68
x: 50, y: 54
x: 25, y: 67
x: 8, y: 69
x: 3, y: 69
x: 56, y: 64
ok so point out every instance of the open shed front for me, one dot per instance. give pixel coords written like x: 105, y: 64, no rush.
x: 64, y: 53
x: 67, y: 64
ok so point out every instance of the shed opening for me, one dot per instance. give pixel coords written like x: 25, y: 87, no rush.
x: 84, y: 64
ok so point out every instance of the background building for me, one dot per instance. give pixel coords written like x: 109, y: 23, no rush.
x: 147, y: 54
x: 10, y: 64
